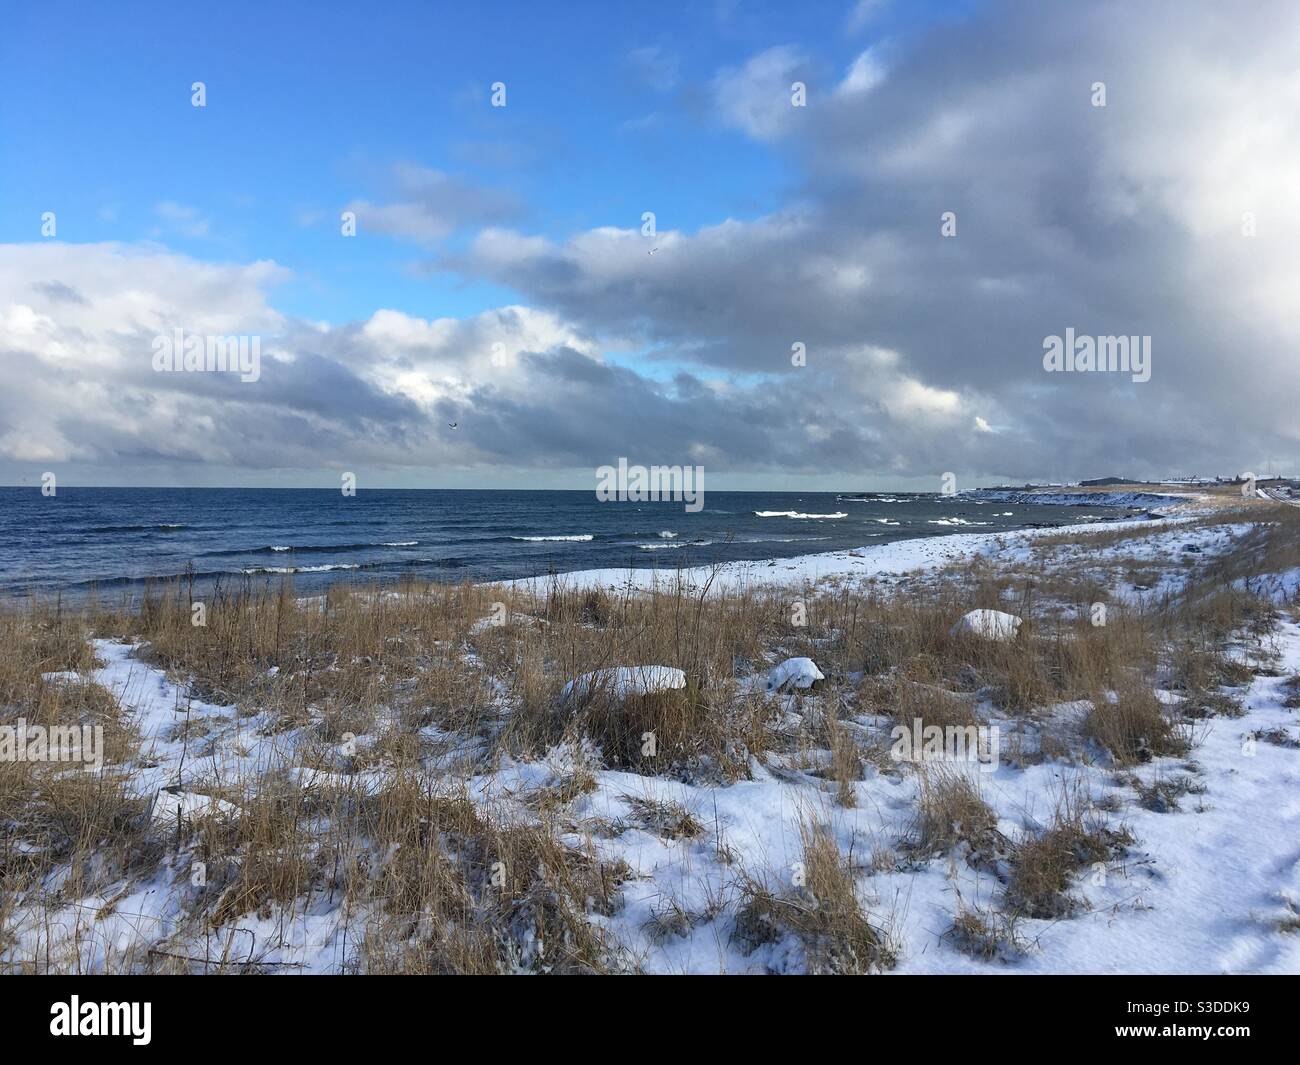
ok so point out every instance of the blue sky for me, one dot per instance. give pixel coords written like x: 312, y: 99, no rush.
x: 309, y: 104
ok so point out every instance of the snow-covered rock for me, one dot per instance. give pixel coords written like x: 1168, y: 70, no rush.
x: 991, y: 624
x: 172, y: 805
x: 799, y: 673
x: 499, y: 620
x: 624, y: 681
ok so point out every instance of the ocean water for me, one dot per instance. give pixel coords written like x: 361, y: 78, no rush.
x: 117, y: 539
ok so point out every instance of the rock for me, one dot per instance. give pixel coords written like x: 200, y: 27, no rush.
x: 990, y: 624
x: 172, y: 805
x: 801, y: 673
x: 624, y: 681
x: 498, y: 620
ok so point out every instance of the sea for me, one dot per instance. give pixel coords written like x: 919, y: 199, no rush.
x: 119, y: 541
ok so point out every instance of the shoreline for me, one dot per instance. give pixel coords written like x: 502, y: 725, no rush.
x: 897, y: 558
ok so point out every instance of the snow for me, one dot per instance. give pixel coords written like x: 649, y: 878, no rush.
x: 1084, y: 499
x: 1278, y: 588
x: 873, y: 561
x: 171, y: 806
x: 799, y: 673
x: 989, y: 624
x: 1202, y: 890
x: 625, y: 681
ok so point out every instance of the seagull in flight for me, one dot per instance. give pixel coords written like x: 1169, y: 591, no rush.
x: 452, y: 425
x: 652, y: 251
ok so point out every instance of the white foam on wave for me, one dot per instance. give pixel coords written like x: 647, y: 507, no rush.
x: 539, y: 539
x: 303, y: 569
x: 956, y: 521
x: 687, y: 543
x: 796, y: 514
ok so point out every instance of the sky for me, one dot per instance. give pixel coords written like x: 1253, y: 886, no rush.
x: 812, y: 246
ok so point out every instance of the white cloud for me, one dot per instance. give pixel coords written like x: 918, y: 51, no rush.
x: 862, y: 14
x: 864, y: 74
x: 757, y: 97
x: 429, y: 205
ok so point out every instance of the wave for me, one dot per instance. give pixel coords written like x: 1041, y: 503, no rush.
x: 956, y: 521
x: 668, y: 534
x: 795, y: 514
x: 303, y: 549
x: 539, y: 539
x: 218, y: 575
x: 162, y: 527
x: 408, y: 563
x: 304, y: 569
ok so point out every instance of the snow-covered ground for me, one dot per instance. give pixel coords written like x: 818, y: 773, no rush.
x: 1207, y: 888
x: 1083, y: 499
x: 125, y: 924
x: 874, y: 561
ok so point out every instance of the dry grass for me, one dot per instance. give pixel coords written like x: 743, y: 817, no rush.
x: 1134, y: 727
x: 821, y: 911
x: 1044, y: 864
x: 951, y: 811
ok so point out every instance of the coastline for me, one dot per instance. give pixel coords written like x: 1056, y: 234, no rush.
x: 895, y: 559
x: 436, y: 711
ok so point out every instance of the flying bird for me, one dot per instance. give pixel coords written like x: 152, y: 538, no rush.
x: 452, y: 425
x: 652, y: 251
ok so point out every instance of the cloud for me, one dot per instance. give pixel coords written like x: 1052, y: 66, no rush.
x: 757, y: 98
x: 530, y: 390
x: 862, y: 14
x: 429, y: 205
x: 1118, y: 220
x: 864, y: 74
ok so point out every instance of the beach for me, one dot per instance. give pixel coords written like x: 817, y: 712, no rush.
x: 719, y: 769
